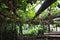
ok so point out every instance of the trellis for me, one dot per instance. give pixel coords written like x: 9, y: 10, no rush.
x: 18, y: 21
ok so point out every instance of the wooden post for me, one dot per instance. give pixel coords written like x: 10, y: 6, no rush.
x: 21, y: 33
x: 48, y: 27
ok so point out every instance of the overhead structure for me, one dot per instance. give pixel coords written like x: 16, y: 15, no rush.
x: 45, y: 5
x: 13, y: 18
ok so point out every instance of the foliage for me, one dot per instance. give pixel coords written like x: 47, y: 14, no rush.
x: 26, y: 11
x: 33, y: 29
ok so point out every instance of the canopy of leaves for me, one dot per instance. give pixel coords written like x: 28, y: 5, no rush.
x: 26, y: 11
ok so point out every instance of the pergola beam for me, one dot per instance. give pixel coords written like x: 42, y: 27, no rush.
x: 45, y: 5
